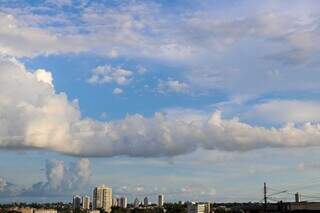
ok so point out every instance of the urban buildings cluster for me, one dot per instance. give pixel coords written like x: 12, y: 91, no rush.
x: 103, y: 199
x: 32, y: 210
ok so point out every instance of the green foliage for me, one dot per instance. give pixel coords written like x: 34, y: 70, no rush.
x: 153, y: 210
x: 118, y: 210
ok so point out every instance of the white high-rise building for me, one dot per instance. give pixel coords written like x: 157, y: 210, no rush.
x: 86, y: 202
x: 160, y: 200
x: 76, y: 202
x: 102, y: 198
x: 114, y: 202
x: 123, y: 202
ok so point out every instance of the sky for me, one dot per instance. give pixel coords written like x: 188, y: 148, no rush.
x: 200, y: 100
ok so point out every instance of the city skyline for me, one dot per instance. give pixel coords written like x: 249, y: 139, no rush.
x: 200, y: 100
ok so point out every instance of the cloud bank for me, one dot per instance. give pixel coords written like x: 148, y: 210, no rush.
x: 60, y: 179
x: 8, y: 189
x: 34, y: 116
x: 203, y: 44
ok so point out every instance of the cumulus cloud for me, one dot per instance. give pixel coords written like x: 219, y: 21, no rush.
x: 117, y: 91
x: 172, y: 86
x: 44, y: 76
x: 62, y: 179
x: 8, y: 189
x: 35, y: 116
x: 109, y: 74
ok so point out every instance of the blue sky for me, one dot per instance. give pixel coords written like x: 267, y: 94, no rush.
x: 199, y: 100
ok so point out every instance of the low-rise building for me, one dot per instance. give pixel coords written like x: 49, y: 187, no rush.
x: 45, y: 211
x: 136, y: 203
x: 314, y: 206
x: 25, y: 210
x: 198, y: 207
x: 145, y: 201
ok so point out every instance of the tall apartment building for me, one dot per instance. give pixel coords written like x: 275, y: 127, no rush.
x: 123, y: 202
x: 160, y: 200
x: 76, y: 202
x: 115, y: 202
x: 102, y: 198
x: 86, y: 202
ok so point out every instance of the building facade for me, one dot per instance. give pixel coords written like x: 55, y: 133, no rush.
x: 45, y: 211
x: 25, y: 210
x: 76, y: 202
x: 115, y: 202
x: 123, y: 202
x: 198, y: 207
x: 160, y: 200
x: 32, y: 210
x: 86, y: 202
x: 102, y: 198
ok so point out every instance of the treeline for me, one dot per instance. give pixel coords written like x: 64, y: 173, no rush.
x: 170, y: 208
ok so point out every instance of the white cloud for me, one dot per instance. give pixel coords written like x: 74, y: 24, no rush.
x: 34, y: 116
x: 284, y: 111
x: 36, y: 41
x: 3, y: 183
x: 44, y: 76
x: 142, y: 70
x: 62, y: 179
x: 117, y: 91
x: 8, y: 189
x: 145, y: 30
x: 60, y: 2
x: 109, y: 74
x: 172, y: 86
